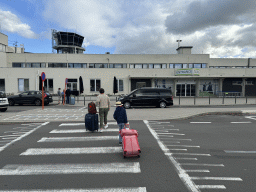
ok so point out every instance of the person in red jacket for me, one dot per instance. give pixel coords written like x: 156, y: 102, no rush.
x: 121, y: 118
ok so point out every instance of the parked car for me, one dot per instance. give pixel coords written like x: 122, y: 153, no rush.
x: 30, y: 97
x: 3, y: 102
x: 147, y: 96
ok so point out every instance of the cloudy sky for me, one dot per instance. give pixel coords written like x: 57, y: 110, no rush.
x: 221, y: 28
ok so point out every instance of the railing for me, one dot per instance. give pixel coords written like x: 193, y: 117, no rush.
x: 229, y: 94
x: 178, y: 101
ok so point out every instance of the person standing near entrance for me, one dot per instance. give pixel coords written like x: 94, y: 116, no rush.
x: 59, y: 95
x: 103, y: 102
x: 68, y: 93
x: 62, y: 95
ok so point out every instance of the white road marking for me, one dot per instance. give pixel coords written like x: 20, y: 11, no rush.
x: 80, y: 130
x: 200, y: 122
x: 227, y: 151
x: 22, y: 136
x: 71, y: 139
x: 198, y: 170
x: 183, y: 146
x: 251, y: 117
x: 171, y: 142
x: 211, y: 186
x: 217, y: 178
x: 177, y: 139
x: 178, y: 149
x: 124, y: 189
x: 242, y: 122
x: 184, y: 158
x: 248, y: 111
x: 170, y: 134
x: 196, y: 154
x: 201, y: 164
x: 82, y: 124
x: 64, y: 151
x: 18, y: 169
x: 181, y: 172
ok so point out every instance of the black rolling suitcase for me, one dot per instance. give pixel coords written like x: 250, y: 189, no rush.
x: 91, y: 122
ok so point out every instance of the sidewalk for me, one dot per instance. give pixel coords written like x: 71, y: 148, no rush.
x: 187, y: 109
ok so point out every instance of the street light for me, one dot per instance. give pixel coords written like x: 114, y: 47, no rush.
x: 178, y: 42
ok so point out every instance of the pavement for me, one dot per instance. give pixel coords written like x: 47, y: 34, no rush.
x: 183, y: 108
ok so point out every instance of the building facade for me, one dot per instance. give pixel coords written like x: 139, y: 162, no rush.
x: 187, y: 74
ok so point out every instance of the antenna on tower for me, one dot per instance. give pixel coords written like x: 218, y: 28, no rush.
x: 178, y: 42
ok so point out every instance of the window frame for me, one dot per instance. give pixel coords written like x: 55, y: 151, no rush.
x: 57, y: 65
x: 23, y: 85
x: 95, y: 85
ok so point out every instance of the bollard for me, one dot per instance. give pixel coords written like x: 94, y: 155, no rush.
x: 235, y: 99
x: 223, y: 100
x: 84, y: 100
x: 209, y: 100
x: 179, y: 99
x: 195, y: 100
x: 246, y: 99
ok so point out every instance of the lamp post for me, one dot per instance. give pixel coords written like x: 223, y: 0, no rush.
x: 178, y: 42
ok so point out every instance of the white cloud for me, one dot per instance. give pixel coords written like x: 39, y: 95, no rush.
x: 11, y: 23
x: 222, y: 29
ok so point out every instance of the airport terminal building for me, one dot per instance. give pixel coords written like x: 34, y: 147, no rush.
x: 186, y: 74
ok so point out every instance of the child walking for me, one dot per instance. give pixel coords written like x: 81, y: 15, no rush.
x: 121, y: 118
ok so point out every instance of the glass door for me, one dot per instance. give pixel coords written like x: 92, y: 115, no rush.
x: 180, y: 90
x: 185, y: 90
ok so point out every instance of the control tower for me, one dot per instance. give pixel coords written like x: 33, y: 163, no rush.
x: 66, y: 42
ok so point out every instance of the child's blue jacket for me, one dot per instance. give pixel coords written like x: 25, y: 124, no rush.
x: 120, y: 115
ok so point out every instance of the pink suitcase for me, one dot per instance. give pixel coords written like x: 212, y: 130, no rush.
x: 131, y: 146
x: 127, y: 132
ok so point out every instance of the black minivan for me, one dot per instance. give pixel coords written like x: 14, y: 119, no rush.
x: 147, y: 96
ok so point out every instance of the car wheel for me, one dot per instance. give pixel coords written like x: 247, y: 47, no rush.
x: 38, y: 102
x: 3, y: 110
x: 127, y: 105
x: 162, y: 104
x: 11, y: 102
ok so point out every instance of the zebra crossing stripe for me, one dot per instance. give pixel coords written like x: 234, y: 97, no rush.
x: 66, y: 151
x: 76, y: 139
x: 125, y: 189
x: 79, y: 130
x: 45, y: 169
x: 217, y: 178
x: 211, y: 186
x: 79, y: 124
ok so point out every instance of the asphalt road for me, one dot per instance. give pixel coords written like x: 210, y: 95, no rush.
x: 205, y: 153
x: 22, y: 169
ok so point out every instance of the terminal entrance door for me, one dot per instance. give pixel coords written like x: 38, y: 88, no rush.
x: 185, y: 90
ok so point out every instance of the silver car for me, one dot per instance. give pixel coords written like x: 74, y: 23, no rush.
x: 3, y: 102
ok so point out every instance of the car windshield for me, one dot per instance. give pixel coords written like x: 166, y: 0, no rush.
x: 133, y: 91
x: 2, y: 94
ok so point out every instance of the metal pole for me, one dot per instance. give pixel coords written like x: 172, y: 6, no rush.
x: 223, y: 100
x: 84, y: 100
x: 194, y: 100
x: 246, y: 99
x: 179, y: 99
x: 235, y: 99
x: 209, y: 100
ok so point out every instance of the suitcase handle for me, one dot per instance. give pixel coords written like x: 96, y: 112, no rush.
x: 127, y: 126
